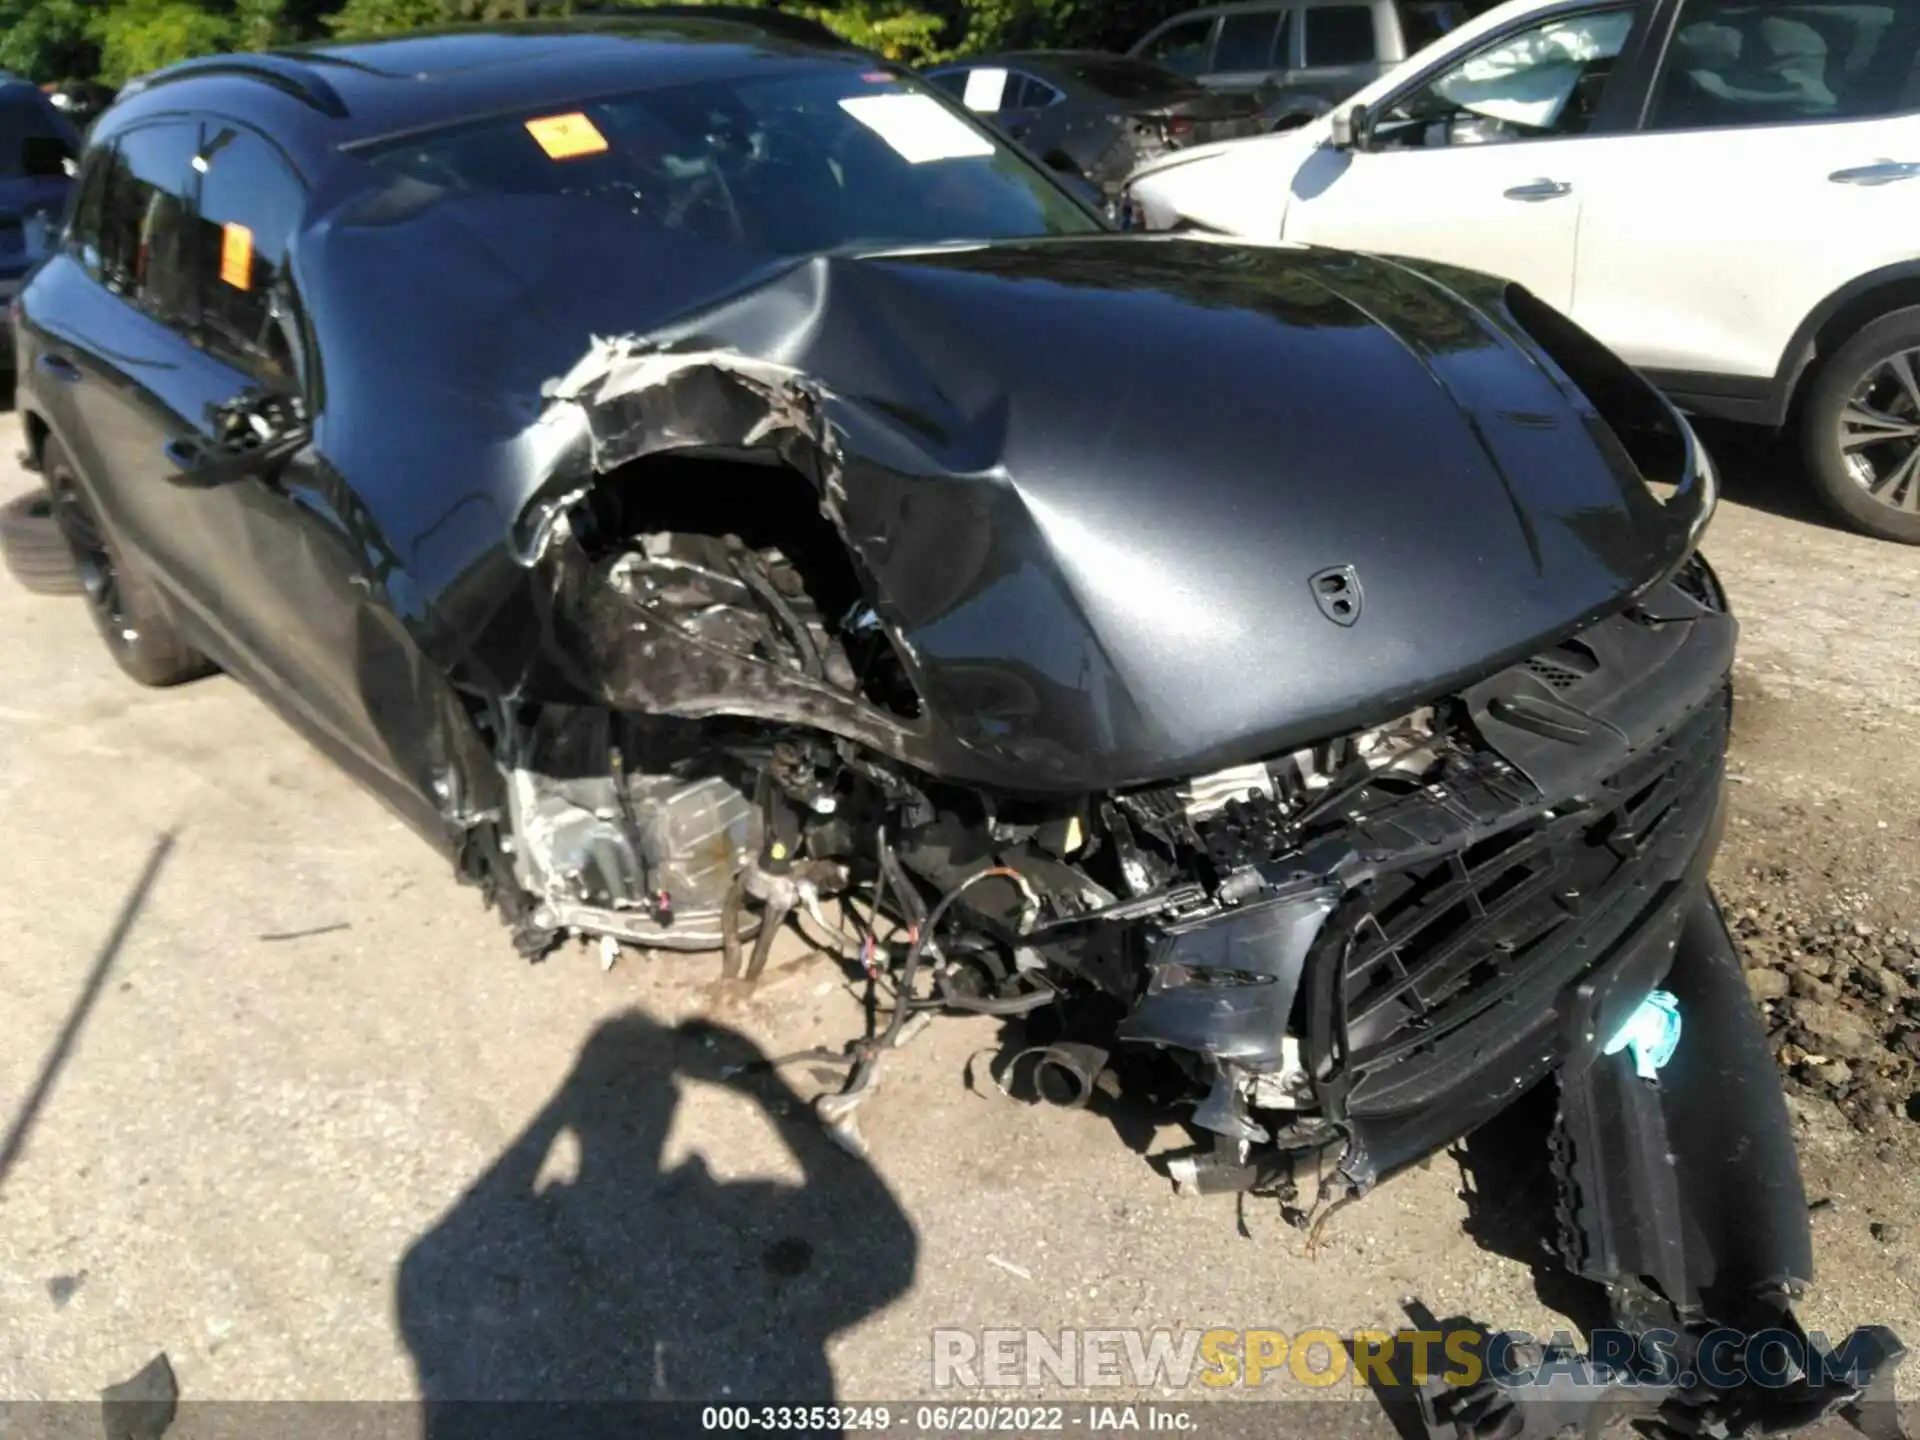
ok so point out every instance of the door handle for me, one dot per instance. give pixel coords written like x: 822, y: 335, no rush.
x: 60, y: 368
x: 1539, y: 190
x: 1884, y: 172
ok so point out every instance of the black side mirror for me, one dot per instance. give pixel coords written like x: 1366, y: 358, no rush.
x: 253, y: 437
x: 1352, y: 128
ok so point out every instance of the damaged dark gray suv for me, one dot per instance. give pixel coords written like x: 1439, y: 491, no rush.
x: 693, y: 473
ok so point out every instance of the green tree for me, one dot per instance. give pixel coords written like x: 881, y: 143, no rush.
x: 47, y: 39
x: 897, y: 31
x: 59, y: 39
x: 136, y: 36
x: 387, y: 17
x: 261, y: 24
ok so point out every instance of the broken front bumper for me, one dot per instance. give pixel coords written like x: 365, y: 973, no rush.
x: 1681, y: 1199
x: 1449, y: 949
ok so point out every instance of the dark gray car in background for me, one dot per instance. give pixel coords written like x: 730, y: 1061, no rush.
x: 37, y: 149
x: 1301, y: 57
x: 1093, y: 114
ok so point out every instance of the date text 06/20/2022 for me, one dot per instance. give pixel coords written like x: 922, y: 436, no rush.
x: 945, y: 1419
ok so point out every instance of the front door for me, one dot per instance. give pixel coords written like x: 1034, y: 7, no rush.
x: 297, y: 590
x: 1480, y: 161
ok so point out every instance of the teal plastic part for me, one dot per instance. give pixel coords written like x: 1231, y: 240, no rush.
x: 1651, y: 1034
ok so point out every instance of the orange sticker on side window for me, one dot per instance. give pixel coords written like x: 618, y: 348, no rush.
x: 236, y: 256
x: 564, y: 137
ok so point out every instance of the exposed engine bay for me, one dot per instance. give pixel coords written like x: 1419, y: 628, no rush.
x: 1307, y: 946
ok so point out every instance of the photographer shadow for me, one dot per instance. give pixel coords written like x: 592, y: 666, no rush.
x: 572, y: 1299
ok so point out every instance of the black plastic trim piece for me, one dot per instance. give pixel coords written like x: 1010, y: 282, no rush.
x: 1751, y: 400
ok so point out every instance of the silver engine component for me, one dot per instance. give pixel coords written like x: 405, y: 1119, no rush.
x: 1401, y: 747
x: 643, y: 858
x: 696, y: 835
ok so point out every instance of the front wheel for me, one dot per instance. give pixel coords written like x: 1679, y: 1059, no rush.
x: 138, y: 632
x: 32, y: 546
x: 1860, y: 429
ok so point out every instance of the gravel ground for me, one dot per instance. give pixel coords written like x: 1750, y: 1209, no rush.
x: 280, y: 1101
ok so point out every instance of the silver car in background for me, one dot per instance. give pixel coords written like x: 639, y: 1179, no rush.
x: 1301, y: 56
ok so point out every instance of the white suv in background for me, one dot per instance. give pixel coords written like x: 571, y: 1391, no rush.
x: 1727, y: 192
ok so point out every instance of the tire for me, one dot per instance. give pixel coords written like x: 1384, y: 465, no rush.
x: 126, y: 611
x: 33, y: 547
x: 1880, y: 369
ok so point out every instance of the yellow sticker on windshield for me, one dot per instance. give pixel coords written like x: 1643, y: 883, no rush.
x: 564, y: 137
x: 236, y: 256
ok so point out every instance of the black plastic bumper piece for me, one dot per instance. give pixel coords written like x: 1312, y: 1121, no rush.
x: 1682, y: 1199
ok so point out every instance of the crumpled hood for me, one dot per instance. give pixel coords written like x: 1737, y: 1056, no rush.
x: 1093, y: 481
x: 1088, y: 481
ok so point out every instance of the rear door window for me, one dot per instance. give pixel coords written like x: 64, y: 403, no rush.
x: 1250, y: 40
x: 145, y: 254
x: 1772, y: 62
x: 1025, y: 92
x: 250, y: 205
x: 1339, y: 35
x: 1182, y: 47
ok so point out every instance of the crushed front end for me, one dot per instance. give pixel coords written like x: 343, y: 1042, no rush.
x: 812, y: 622
x: 1361, y: 950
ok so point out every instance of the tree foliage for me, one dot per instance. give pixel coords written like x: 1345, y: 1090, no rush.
x: 47, y: 39
x: 116, y: 39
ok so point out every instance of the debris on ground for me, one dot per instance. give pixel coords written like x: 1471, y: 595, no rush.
x: 1841, y: 996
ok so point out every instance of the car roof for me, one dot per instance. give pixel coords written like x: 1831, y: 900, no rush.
x: 334, y: 94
